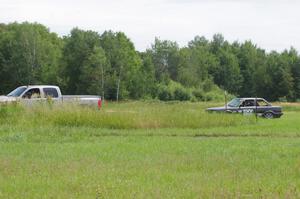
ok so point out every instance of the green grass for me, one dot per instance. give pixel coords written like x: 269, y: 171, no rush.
x: 147, y: 150
x: 151, y: 167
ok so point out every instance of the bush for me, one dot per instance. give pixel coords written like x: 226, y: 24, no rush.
x: 210, y: 97
x: 175, y: 91
x: 217, y: 96
x: 182, y: 94
x: 208, y: 85
x: 165, y: 93
x: 198, y: 94
x: 283, y: 99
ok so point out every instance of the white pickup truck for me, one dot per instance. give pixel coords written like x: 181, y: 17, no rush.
x: 38, y: 93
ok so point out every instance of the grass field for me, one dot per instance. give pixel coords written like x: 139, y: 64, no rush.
x: 147, y: 150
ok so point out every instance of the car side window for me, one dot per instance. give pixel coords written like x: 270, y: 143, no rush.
x: 247, y: 103
x: 32, y: 93
x: 262, y: 103
x: 50, y: 92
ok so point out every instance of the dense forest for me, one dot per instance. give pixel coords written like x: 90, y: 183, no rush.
x: 107, y: 64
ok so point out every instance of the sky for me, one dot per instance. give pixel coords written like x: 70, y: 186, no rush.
x: 271, y: 24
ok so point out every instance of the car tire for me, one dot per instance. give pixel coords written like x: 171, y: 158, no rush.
x: 269, y: 115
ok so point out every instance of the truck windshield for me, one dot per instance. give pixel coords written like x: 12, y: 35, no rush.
x: 17, y: 92
x: 234, y: 103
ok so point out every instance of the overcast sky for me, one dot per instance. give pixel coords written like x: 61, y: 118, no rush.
x: 271, y: 24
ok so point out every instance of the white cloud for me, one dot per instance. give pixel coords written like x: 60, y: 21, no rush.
x: 270, y: 24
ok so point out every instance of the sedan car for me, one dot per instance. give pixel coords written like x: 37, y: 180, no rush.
x: 248, y: 106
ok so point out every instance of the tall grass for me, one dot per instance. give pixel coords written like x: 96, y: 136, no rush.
x: 134, y: 115
x: 289, y: 106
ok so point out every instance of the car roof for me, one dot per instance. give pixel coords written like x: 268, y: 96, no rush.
x: 251, y: 98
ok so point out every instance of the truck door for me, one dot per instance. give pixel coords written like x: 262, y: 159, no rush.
x: 51, y: 94
x: 31, y: 96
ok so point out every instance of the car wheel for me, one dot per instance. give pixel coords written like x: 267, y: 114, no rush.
x: 269, y: 115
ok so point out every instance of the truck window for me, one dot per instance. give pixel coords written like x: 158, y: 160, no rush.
x: 32, y: 93
x: 50, y: 92
x: 17, y: 92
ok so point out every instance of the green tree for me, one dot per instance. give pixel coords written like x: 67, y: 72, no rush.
x: 125, y: 65
x: 227, y: 73
x: 83, y: 61
x: 196, y: 61
x: 29, y: 54
x: 281, y: 84
x: 252, y: 68
x: 92, y: 73
x: 296, y: 77
x: 165, y: 56
x: 147, y: 81
x: 293, y: 60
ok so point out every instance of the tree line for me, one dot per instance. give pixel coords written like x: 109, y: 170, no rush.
x: 107, y: 64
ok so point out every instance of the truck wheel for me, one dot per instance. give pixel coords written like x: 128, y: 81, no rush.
x: 269, y: 115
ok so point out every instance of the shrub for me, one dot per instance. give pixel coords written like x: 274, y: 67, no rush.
x: 198, y: 94
x: 165, y: 93
x: 208, y: 85
x: 175, y: 91
x: 283, y: 99
x: 182, y: 94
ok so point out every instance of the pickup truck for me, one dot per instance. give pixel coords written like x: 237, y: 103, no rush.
x: 248, y: 106
x: 29, y: 95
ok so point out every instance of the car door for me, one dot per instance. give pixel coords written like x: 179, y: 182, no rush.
x: 262, y: 106
x: 247, y: 107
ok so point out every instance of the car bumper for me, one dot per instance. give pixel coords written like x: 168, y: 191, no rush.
x: 278, y: 115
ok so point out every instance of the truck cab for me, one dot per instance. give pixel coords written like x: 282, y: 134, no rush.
x: 36, y: 92
x: 29, y: 95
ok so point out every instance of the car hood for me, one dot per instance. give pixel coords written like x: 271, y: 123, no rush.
x: 7, y: 99
x: 276, y: 106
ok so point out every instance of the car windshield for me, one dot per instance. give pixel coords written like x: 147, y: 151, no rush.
x: 234, y: 103
x: 17, y: 92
